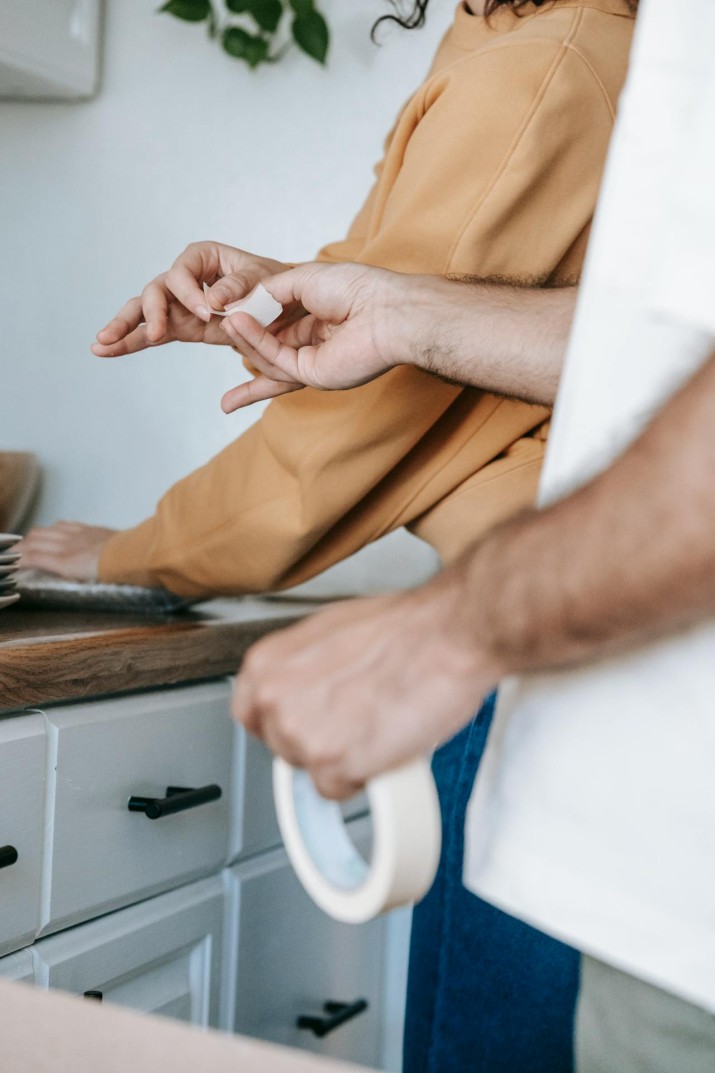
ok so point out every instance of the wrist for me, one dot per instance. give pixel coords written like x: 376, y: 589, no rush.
x: 408, y: 311
x: 454, y: 606
x: 504, y: 596
x: 435, y: 330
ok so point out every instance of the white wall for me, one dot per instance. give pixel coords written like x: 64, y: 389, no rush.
x: 182, y: 143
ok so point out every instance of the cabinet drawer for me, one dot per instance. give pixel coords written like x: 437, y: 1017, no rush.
x: 100, y: 855
x: 292, y: 959
x: 256, y: 827
x: 22, y: 794
x: 163, y: 956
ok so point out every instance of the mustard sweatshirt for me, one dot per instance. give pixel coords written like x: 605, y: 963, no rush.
x: 491, y: 170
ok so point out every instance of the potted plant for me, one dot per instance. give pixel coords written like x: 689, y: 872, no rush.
x: 258, y: 31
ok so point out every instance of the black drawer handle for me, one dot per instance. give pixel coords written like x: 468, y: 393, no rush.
x: 97, y: 996
x: 8, y: 856
x: 338, y: 1013
x: 178, y: 799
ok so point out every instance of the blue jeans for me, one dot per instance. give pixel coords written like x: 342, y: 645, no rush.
x: 486, y: 993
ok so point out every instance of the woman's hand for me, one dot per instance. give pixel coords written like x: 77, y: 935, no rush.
x: 173, y: 307
x: 355, y: 330
x: 68, y: 549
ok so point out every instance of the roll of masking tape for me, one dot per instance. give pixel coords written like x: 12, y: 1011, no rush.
x: 407, y: 840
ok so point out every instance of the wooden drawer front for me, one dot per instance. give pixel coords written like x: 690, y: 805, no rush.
x: 22, y: 795
x: 100, y: 855
x: 18, y: 967
x: 256, y: 828
x: 163, y: 956
x: 292, y: 958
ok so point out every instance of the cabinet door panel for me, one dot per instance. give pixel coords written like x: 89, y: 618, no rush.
x: 18, y: 967
x: 163, y: 956
x: 256, y: 828
x: 22, y: 796
x: 292, y: 958
x: 101, y: 856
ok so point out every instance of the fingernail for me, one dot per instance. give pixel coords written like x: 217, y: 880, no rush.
x: 203, y: 313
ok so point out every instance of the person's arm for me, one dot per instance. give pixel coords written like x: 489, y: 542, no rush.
x: 471, y: 172
x: 365, y: 321
x: 629, y: 557
x: 626, y: 559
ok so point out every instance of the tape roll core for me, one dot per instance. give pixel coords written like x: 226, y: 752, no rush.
x: 406, y: 841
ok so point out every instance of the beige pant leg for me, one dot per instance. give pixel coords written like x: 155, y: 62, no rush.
x: 626, y: 1026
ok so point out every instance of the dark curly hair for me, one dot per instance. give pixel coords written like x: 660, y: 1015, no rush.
x: 416, y: 18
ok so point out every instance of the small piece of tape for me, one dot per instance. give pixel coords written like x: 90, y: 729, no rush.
x: 261, y: 305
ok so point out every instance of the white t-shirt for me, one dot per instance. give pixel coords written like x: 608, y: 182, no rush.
x: 593, y: 815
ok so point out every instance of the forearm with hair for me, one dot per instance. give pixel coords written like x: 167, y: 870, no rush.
x: 627, y: 558
x: 504, y: 338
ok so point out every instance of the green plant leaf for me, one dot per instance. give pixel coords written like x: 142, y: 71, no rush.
x: 189, y: 10
x: 310, y: 32
x: 245, y: 46
x: 303, y: 7
x: 238, y: 6
x: 267, y: 13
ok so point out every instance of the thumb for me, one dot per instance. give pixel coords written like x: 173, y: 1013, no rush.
x: 306, y: 285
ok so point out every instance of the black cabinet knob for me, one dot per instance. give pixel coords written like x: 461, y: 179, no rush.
x: 178, y: 799
x: 336, y: 1014
x: 8, y: 856
x: 96, y: 995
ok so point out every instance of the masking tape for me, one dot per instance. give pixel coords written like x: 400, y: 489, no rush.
x: 261, y: 305
x: 407, y: 841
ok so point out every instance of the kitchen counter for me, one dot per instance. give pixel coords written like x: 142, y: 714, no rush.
x: 52, y: 656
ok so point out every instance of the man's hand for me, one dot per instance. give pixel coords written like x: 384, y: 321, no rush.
x: 361, y: 688
x: 69, y: 549
x: 173, y: 307
x: 364, y: 321
x: 356, y: 331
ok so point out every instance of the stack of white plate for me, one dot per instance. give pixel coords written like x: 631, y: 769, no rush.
x: 9, y: 558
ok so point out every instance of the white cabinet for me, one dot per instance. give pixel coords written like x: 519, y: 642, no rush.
x: 18, y: 967
x: 162, y: 956
x: 49, y: 48
x: 292, y: 959
x: 99, y: 854
x: 22, y: 794
x: 147, y: 911
x: 256, y: 826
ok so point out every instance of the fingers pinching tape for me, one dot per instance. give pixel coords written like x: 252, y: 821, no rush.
x: 407, y: 840
x: 261, y: 305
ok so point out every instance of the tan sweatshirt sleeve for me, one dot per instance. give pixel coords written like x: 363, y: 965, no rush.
x: 322, y: 474
x: 500, y: 176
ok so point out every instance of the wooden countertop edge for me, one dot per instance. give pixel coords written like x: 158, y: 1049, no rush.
x: 33, y: 673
